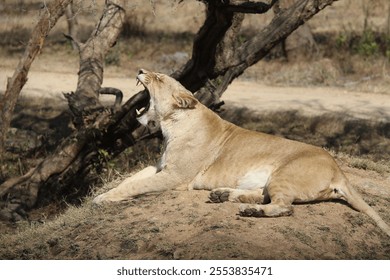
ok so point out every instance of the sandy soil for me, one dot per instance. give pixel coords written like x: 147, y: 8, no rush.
x: 183, y: 225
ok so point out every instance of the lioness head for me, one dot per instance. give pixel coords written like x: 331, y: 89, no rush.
x: 166, y: 96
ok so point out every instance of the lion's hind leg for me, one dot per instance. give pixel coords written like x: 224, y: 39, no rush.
x: 267, y: 210
x: 236, y: 195
x: 249, y: 188
x: 280, y: 205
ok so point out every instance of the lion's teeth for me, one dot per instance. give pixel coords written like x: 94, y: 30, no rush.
x: 138, y: 82
x: 139, y: 112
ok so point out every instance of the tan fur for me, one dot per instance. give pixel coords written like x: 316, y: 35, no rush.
x: 202, y: 151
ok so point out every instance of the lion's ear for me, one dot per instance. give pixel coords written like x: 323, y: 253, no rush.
x: 184, y: 100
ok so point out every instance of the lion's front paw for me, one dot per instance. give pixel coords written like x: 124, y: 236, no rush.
x: 219, y: 196
x: 103, y: 199
x: 99, y: 200
x: 111, y: 197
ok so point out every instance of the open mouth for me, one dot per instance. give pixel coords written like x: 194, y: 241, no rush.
x: 144, y: 109
x: 138, y: 81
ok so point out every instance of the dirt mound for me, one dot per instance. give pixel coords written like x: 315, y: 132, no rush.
x: 184, y: 225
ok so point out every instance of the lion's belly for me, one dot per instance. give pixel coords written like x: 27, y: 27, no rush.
x: 234, y: 177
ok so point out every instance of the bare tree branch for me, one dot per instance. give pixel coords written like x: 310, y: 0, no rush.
x: 249, y: 53
x: 71, y: 19
x: 113, y: 91
x: 247, y: 7
x: 48, y: 19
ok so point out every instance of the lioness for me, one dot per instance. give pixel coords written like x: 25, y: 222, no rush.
x: 202, y: 151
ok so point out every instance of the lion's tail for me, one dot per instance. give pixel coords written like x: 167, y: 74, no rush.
x: 357, y: 202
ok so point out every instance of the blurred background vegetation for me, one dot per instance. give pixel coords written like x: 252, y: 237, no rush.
x: 346, y: 45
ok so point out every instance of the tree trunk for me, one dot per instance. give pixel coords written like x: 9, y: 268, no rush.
x: 216, y: 60
x: 89, y: 116
x: 51, y: 14
x: 84, y: 102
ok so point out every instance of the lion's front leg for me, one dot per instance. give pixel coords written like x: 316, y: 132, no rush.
x: 138, y: 184
x: 144, y: 173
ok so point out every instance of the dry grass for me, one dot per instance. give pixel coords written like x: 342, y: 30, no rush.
x: 381, y: 167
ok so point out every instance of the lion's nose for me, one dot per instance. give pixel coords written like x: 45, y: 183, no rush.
x: 141, y: 71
